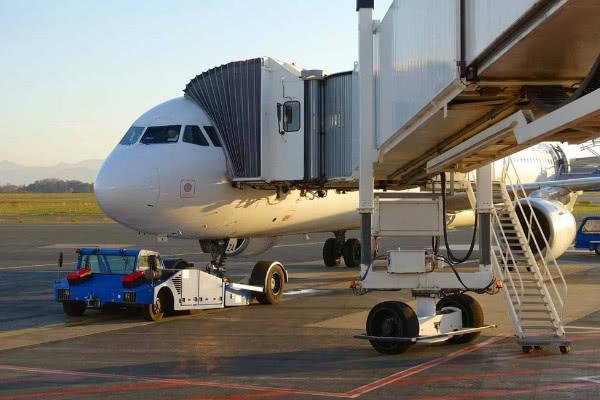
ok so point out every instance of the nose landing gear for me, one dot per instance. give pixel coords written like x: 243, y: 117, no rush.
x: 216, y: 249
x: 336, y: 248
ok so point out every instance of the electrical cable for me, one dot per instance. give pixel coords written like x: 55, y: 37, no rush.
x: 451, y: 255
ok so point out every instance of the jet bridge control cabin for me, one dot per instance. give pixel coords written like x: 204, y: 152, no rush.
x: 279, y: 123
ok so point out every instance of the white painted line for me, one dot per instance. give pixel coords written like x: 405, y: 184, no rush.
x: 80, y: 245
x: 32, y: 266
x: 304, y: 291
x: 591, y: 328
x: 592, y: 379
x: 298, y: 244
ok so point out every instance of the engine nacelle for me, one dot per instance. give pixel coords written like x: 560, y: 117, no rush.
x: 249, y: 246
x: 557, y: 224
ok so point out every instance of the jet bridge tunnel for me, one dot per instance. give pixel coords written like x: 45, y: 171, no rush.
x: 456, y: 84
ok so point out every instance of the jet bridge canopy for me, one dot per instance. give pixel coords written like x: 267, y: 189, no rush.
x: 472, y: 65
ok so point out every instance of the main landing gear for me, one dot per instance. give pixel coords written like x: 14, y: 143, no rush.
x: 336, y: 248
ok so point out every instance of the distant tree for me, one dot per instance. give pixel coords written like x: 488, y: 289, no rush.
x: 51, y: 186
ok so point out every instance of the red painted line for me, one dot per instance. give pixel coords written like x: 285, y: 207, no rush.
x: 188, y: 382
x: 419, y: 368
x: 508, y: 392
x: 243, y: 396
x: 92, y: 390
x: 467, y: 377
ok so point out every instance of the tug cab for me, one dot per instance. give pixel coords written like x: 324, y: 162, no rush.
x: 588, y: 234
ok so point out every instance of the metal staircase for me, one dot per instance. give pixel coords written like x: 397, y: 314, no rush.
x: 533, y: 284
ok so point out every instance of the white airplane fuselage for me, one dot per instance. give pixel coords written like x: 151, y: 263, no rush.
x: 180, y: 189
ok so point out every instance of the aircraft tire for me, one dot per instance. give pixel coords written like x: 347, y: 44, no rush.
x: 351, y: 253
x: 331, y: 258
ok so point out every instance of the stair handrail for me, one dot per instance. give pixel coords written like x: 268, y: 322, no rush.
x: 517, y: 187
x: 505, y: 260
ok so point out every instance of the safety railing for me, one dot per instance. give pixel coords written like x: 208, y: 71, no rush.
x: 538, y: 243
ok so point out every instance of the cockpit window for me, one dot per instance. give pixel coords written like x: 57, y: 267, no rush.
x: 132, y: 135
x: 193, y: 134
x: 161, y: 134
x: 212, y: 134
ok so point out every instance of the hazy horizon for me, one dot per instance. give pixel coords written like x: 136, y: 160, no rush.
x: 76, y: 74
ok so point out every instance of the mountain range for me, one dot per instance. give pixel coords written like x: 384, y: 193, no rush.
x: 16, y: 174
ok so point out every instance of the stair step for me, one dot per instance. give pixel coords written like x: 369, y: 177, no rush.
x: 538, y: 328
x: 530, y: 303
x: 537, y: 319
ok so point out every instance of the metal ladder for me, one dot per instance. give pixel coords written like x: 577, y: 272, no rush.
x: 534, y: 297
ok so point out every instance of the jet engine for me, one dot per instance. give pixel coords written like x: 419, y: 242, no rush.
x: 556, y: 222
x: 249, y: 246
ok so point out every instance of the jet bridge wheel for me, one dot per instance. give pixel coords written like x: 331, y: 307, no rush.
x: 392, y: 319
x: 270, y: 276
x: 472, y: 315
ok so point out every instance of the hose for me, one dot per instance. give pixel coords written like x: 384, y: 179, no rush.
x: 451, y: 256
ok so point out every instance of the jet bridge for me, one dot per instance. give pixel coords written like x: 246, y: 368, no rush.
x: 281, y: 125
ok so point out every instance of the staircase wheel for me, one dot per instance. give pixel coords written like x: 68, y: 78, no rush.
x: 527, y: 349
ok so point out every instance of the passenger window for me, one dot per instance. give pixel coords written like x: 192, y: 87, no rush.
x: 161, y: 134
x: 132, y: 135
x: 291, y: 116
x: 212, y: 134
x: 193, y: 134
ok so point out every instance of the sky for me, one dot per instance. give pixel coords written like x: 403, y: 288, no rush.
x: 74, y: 74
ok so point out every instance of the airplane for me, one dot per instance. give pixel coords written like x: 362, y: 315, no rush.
x: 168, y: 177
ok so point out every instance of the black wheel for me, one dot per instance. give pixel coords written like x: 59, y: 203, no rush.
x: 351, y: 253
x: 392, y: 319
x: 597, y: 249
x: 74, y: 308
x: 155, y: 312
x: 331, y: 258
x: 175, y: 263
x: 565, y: 349
x: 527, y: 349
x: 472, y: 315
x: 271, y: 277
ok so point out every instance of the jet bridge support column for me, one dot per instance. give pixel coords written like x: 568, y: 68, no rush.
x: 365, y: 75
x: 485, y: 204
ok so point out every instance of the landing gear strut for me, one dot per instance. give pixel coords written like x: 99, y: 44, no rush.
x: 216, y: 248
x: 335, y: 248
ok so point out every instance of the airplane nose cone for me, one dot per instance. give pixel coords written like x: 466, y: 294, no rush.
x: 127, y: 187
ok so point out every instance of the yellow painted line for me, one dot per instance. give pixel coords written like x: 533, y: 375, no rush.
x: 25, y: 331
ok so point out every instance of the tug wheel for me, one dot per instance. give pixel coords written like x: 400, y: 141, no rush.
x: 155, y: 312
x: 351, y: 253
x: 74, y: 308
x: 392, y: 319
x: 472, y: 315
x: 597, y: 249
x: 565, y: 349
x: 331, y: 258
x: 271, y: 277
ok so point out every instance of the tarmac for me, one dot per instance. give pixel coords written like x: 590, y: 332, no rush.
x: 301, y: 348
